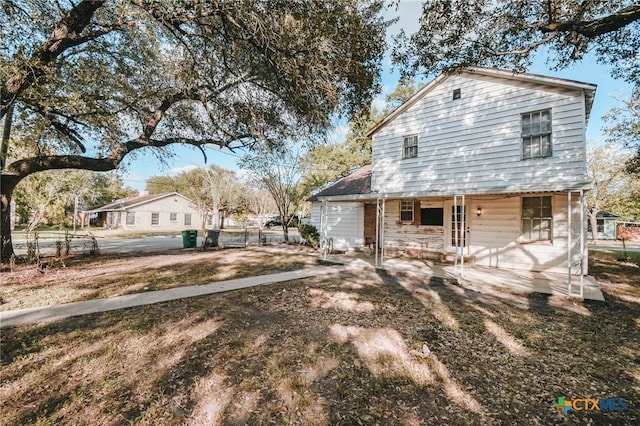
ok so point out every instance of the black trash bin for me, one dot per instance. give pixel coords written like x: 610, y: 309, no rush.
x: 212, y: 238
x: 189, y: 238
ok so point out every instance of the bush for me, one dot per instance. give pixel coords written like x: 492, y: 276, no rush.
x: 309, y: 234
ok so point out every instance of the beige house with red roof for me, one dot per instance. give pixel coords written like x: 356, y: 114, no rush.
x: 150, y: 212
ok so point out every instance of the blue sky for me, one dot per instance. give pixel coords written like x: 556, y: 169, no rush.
x: 146, y: 164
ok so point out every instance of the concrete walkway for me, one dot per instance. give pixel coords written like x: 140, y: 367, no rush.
x: 56, y: 312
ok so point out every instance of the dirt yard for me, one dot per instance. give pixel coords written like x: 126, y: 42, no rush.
x: 359, y: 347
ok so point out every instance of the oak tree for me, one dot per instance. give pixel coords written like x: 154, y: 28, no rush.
x: 100, y: 80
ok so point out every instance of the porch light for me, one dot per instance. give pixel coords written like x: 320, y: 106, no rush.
x: 479, y: 211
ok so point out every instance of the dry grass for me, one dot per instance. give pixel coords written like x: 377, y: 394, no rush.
x: 84, y: 278
x: 342, y: 349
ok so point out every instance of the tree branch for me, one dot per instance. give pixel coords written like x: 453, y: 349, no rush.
x: 596, y: 27
x: 66, y: 34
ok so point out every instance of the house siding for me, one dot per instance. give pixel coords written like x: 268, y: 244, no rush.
x: 345, y: 224
x: 473, y: 144
x: 164, y: 207
x: 493, y: 238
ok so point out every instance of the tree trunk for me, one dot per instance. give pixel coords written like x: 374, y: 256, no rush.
x: 7, y: 184
x: 593, y: 220
x: 285, y: 231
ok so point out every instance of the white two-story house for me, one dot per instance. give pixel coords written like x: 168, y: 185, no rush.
x: 485, y: 165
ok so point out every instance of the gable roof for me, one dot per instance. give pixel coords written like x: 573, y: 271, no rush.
x: 127, y: 203
x: 358, y: 182
x: 588, y: 88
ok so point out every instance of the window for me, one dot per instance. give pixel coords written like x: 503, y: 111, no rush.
x: 155, y: 218
x: 131, y: 218
x: 187, y: 218
x: 406, y: 210
x: 432, y: 216
x: 173, y: 217
x: 210, y: 220
x: 410, y: 147
x: 537, y: 219
x: 536, y: 134
x: 456, y: 94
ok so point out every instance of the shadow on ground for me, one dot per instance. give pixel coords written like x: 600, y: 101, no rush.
x: 364, y: 347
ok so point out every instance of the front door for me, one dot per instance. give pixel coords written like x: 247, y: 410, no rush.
x: 456, y: 233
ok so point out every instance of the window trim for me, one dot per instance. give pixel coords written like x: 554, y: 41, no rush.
x: 424, y: 209
x: 126, y: 219
x: 410, y: 151
x: 526, y: 239
x: 157, y: 215
x: 405, y: 210
x: 531, y: 135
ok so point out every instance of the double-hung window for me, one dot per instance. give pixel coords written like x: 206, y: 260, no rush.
x: 155, y: 219
x: 410, y: 147
x: 536, y: 134
x: 187, y: 219
x: 406, y: 211
x: 537, y: 218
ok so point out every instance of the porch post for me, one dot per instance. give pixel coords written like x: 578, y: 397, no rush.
x: 377, y: 246
x: 463, y: 230
x: 455, y: 232
x: 582, y: 247
x: 382, y: 249
x: 569, y: 214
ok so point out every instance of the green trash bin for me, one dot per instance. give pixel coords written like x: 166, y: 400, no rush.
x: 189, y: 238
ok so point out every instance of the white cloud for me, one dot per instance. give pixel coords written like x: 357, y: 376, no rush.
x: 177, y: 170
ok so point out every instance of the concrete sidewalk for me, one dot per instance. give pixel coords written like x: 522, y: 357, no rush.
x: 55, y: 312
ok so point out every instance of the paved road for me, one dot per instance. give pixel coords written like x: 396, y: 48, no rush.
x: 124, y: 245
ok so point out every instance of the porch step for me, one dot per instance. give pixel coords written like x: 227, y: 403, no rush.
x: 450, y: 258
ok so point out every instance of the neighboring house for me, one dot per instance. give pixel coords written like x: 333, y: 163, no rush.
x: 606, y: 226
x: 482, y: 164
x: 149, y: 212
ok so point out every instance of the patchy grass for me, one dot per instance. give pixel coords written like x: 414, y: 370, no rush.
x: 83, y: 278
x: 343, y: 349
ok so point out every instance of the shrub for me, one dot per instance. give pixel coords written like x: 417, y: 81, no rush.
x: 309, y: 234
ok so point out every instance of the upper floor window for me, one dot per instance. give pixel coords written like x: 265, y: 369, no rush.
x: 410, y: 147
x: 456, y: 94
x: 406, y: 210
x: 536, y: 134
x: 537, y: 218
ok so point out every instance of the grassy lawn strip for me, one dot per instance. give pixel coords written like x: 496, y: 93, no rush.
x: 334, y: 350
x: 112, y: 275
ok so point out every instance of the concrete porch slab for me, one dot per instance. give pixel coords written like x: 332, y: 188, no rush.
x: 479, y: 277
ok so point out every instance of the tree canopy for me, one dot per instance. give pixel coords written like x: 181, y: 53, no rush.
x: 98, y: 80
x: 624, y: 128
x: 507, y: 33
